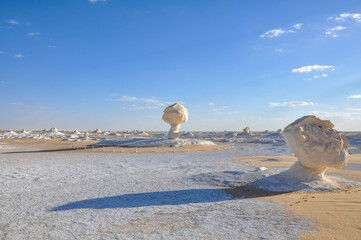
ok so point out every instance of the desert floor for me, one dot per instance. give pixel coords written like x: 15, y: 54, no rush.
x: 337, y: 213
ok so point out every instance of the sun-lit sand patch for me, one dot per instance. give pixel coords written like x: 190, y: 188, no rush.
x: 338, y: 212
x: 268, y: 161
x: 57, y: 146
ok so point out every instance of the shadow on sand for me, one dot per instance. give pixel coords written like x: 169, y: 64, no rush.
x: 88, y: 147
x: 177, y: 197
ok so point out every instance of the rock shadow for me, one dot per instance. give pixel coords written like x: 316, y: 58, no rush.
x: 177, y: 197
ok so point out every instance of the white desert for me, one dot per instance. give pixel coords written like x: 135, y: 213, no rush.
x: 173, y: 188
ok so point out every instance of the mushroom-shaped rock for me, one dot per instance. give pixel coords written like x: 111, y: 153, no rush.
x: 175, y: 115
x: 279, y: 131
x: 246, y: 130
x: 317, y: 146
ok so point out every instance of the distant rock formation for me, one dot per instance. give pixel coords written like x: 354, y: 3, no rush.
x: 246, y: 130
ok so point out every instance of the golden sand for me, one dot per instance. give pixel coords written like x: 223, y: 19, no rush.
x: 338, y: 213
x: 58, y: 146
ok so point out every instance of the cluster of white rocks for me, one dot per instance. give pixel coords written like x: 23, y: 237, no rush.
x: 314, y: 141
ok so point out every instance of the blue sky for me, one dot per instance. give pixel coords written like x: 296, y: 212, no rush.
x: 80, y: 64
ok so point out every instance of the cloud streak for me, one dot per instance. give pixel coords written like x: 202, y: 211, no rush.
x: 350, y: 115
x: 34, y: 34
x: 273, y: 33
x: 311, y: 68
x: 331, y: 31
x: 17, y: 103
x: 150, y: 103
x: 278, y: 32
x: 354, y: 97
x: 13, y: 22
x: 344, y: 16
x: 135, y: 99
x: 95, y: 1
x: 323, y: 75
x: 298, y: 26
x: 291, y: 104
x: 18, y: 55
x: 142, y: 107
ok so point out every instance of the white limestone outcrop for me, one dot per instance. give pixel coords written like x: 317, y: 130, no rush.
x: 317, y: 146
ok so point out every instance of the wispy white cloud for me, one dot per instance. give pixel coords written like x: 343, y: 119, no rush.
x: 342, y: 115
x: 298, y: 26
x: 279, y: 50
x: 323, y: 75
x: 343, y: 16
x: 2, y: 82
x: 94, y: 1
x: 34, y: 34
x: 17, y: 103
x: 51, y: 46
x: 278, y: 32
x: 135, y: 99
x: 331, y: 31
x: 311, y: 68
x: 13, y: 22
x: 142, y: 107
x: 354, y: 97
x: 1, y: 52
x: 148, y: 103
x: 291, y: 104
x: 273, y: 33
x: 220, y: 111
x: 211, y: 104
x: 354, y: 110
x: 18, y: 55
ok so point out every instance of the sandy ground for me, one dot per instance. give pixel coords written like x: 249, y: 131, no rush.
x: 58, y: 145
x: 337, y: 214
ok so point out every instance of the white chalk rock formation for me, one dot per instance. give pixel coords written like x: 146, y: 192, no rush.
x: 97, y: 131
x: 175, y: 115
x: 317, y: 146
x: 53, y: 130
x: 24, y: 131
x: 246, y: 130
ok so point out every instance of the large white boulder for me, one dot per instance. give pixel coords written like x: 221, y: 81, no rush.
x: 317, y: 146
